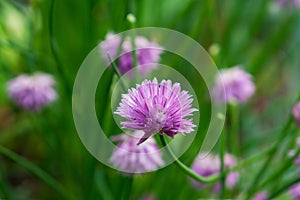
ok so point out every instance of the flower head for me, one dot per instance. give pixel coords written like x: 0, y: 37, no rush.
x: 148, y: 53
x: 296, y: 113
x: 133, y: 158
x: 208, y: 164
x: 32, y: 92
x: 294, y: 191
x: 157, y: 108
x: 233, y: 85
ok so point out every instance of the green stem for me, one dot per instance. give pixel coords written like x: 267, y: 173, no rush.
x: 128, y: 188
x: 278, y: 173
x: 222, y: 168
x: 186, y: 169
x: 3, y: 188
x: 249, y: 161
x: 114, y: 66
x: 272, y: 153
x: 53, y: 46
x: 214, y: 178
x: 131, y: 19
x: 234, y: 129
x: 117, y: 72
x: 36, y: 171
x: 284, y: 188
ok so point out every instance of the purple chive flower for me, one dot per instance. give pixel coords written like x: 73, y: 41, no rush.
x: 132, y: 158
x: 205, y: 165
x: 148, y: 53
x: 294, y: 191
x: 32, y: 92
x: 157, y: 108
x: 260, y: 196
x: 233, y: 85
x: 295, y: 3
x: 208, y: 165
x: 296, y: 113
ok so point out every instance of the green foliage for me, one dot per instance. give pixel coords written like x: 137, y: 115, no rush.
x: 56, y: 36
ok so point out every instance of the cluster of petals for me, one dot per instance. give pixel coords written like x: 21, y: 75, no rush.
x: 207, y: 164
x: 32, y: 92
x: 131, y: 158
x: 233, y: 85
x: 148, y: 53
x: 154, y: 107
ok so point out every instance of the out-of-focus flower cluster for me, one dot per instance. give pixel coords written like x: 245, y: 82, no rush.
x: 132, y: 158
x: 233, y: 85
x: 207, y: 164
x: 147, y: 52
x: 32, y: 92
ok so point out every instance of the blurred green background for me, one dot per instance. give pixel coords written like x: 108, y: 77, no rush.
x: 56, y: 36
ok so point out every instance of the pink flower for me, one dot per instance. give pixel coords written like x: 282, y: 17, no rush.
x: 132, y: 158
x: 157, y: 108
x: 233, y: 85
x: 32, y: 92
x: 294, y: 191
x: 148, y: 53
x: 208, y: 165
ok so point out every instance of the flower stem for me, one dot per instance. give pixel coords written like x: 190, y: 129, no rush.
x: 271, y: 154
x: 131, y: 19
x: 3, y: 188
x: 36, y: 171
x: 186, y: 169
x: 214, y: 178
x: 284, y: 188
x: 277, y: 174
x: 53, y: 47
x: 127, y: 188
x: 116, y: 71
x: 234, y: 129
x: 248, y: 161
x: 222, y: 168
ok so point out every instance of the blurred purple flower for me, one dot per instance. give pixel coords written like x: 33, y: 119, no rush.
x: 294, y: 191
x: 205, y: 165
x: 260, y: 196
x: 148, y: 53
x: 32, y: 92
x: 232, y: 178
x: 233, y: 85
x: 296, y: 113
x: 132, y: 158
x: 157, y: 108
x: 208, y: 165
x: 295, y: 3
